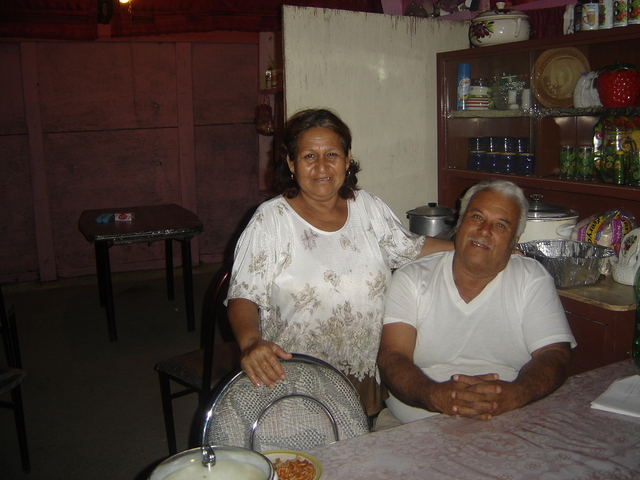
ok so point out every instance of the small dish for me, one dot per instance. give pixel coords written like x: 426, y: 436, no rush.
x: 284, y: 455
x: 555, y: 74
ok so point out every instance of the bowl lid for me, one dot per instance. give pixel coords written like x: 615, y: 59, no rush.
x: 431, y: 210
x: 499, y: 14
x: 539, y: 210
x: 231, y: 462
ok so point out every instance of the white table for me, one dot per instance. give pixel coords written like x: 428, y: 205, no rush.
x: 559, y: 437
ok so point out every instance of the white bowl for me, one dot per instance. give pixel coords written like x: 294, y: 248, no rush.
x: 499, y: 26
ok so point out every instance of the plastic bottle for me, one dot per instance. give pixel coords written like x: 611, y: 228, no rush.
x: 464, y: 82
x: 635, y: 346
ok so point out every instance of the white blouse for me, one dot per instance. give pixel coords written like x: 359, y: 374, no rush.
x: 323, y: 293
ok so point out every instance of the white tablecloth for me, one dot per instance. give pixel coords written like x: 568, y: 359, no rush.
x: 559, y: 437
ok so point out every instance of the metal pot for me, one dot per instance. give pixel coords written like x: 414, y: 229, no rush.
x: 547, y: 221
x: 230, y: 462
x: 432, y: 220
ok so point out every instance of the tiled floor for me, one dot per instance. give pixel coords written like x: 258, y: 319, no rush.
x: 93, y: 407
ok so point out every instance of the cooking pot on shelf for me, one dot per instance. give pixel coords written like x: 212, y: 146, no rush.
x: 547, y: 221
x: 432, y: 220
x: 230, y: 462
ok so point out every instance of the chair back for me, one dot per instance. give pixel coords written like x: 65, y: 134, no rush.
x: 314, y: 405
x: 214, y: 315
x: 9, y: 333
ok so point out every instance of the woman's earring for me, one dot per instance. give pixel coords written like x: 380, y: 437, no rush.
x: 291, y: 175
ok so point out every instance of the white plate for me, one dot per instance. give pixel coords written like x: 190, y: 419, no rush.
x: 285, y: 455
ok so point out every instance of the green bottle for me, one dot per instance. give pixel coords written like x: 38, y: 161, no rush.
x: 635, y: 347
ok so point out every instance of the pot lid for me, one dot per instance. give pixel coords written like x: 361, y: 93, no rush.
x: 431, y: 210
x: 230, y: 462
x: 539, y: 210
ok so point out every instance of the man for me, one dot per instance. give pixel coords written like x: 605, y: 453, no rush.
x: 478, y: 331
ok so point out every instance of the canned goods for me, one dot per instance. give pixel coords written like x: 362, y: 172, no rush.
x: 620, y: 13
x: 633, y: 12
x: 605, y: 15
x: 589, y: 17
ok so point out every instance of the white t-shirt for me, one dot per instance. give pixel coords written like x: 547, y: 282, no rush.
x: 322, y: 293
x: 518, y: 312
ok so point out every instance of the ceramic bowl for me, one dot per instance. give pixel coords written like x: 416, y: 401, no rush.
x: 499, y: 26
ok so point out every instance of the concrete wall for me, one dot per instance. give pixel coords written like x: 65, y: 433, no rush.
x: 88, y: 125
x: 378, y: 72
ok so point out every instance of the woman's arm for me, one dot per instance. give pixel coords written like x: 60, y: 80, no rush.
x: 434, y: 245
x: 259, y: 358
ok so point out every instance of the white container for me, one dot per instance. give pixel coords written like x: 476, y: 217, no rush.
x: 231, y: 462
x: 499, y: 26
x: 548, y: 221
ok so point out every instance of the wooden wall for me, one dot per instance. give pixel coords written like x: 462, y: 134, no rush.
x: 88, y: 125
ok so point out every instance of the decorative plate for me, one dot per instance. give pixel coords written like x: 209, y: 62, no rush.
x: 555, y: 74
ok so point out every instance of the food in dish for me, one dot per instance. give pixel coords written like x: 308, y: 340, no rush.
x: 555, y: 74
x: 295, y: 469
x: 293, y: 465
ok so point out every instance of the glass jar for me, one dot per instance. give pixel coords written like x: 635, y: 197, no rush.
x: 477, y: 157
x: 633, y: 168
x: 567, y: 162
x: 614, y: 140
x: 584, y: 163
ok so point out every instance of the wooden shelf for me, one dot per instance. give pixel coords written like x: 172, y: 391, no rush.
x: 546, y: 112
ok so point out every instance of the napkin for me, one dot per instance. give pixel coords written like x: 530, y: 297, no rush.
x: 622, y: 396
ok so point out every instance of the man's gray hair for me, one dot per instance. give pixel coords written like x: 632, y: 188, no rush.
x: 503, y: 187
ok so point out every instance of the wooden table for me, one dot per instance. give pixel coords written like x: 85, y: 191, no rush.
x: 559, y: 437
x: 150, y: 224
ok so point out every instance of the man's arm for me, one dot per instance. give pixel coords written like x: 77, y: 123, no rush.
x: 411, y: 386
x: 542, y: 375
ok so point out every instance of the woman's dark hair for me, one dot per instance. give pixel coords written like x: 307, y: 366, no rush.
x: 296, y: 126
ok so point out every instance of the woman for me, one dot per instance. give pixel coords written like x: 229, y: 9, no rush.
x: 311, y: 269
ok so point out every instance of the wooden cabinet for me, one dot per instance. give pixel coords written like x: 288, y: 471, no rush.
x: 547, y: 128
x: 602, y: 319
x: 603, y: 329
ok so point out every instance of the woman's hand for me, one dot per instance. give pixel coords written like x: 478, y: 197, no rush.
x: 261, y: 362
x: 259, y: 358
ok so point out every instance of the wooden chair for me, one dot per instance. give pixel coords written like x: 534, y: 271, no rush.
x: 199, y: 371
x: 11, y: 378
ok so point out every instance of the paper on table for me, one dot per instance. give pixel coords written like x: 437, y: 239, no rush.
x: 622, y: 396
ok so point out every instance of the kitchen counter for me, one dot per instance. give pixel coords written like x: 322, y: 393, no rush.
x: 605, y: 293
x: 602, y: 318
